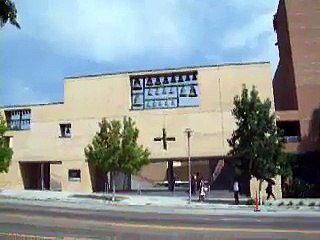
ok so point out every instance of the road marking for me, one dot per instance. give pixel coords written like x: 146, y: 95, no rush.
x: 212, y: 229
x: 240, y: 220
x: 27, y: 236
x: 189, y: 228
x: 17, y: 235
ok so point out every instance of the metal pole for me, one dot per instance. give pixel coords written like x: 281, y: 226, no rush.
x: 41, y: 171
x: 189, y: 164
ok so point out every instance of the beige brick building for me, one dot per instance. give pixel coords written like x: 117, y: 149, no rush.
x: 49, y: 139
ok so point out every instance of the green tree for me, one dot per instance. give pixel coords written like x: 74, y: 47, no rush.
x: 115, y: 149
x: 257, y: 143
x: 8, y: 12
x: 5, y: 151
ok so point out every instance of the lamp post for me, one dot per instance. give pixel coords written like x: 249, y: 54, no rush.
x: 188, y: 131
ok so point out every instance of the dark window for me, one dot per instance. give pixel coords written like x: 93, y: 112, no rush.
x: 18, y: 119
x: 65, y: 130
x: 291, y: 130
x: 74, y: 175
x: 164, y: 91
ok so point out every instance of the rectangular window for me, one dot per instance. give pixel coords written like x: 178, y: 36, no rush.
x: 65, y: 130
x: 291, y: 130
x: 164, y: 91
x: 18, y: 119
x: 74, y: 175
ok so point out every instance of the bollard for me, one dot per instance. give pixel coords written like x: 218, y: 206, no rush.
x: 105, y: 192
x: 139, y: 190
x: 257, y: 203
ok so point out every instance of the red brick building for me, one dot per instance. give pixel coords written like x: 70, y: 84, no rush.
x: 296, y: 82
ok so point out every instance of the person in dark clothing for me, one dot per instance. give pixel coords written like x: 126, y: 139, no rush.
x: 198, y: 180
x: 174, y: 181
x: 269, y: 191
x: 193, y: 184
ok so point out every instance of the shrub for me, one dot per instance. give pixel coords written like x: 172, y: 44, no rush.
x: 251, y: 202
x: 290, y: 203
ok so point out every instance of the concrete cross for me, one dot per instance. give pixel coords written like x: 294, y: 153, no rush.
x: 164, y: 139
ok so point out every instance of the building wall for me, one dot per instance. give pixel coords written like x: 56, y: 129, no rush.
x: 285, y: 95
x: 88, y: 99
x: 304, y: 28
x: 298, y: 31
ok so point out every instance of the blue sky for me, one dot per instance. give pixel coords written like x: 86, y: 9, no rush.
x: 60, y: 38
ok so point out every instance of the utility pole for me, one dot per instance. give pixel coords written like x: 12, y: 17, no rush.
x: 188, y: 131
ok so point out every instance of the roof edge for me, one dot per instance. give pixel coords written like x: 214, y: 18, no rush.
x: 30, y: 105
x: 168, y: 69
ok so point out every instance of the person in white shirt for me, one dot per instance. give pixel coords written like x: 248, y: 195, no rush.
x: 202, y: 192
x: 236, y: 192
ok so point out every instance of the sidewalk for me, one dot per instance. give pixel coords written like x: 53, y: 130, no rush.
x: 121, y: 199
x: 139, y: 203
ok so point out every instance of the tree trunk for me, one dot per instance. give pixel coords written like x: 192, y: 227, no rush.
x: 106, y: 184
x: 113, y: 187
x: 260, y: 193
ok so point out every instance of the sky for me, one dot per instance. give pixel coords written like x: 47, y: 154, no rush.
x: 63, y: 38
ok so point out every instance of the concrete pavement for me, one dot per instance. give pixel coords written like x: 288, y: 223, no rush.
x: 53, y: 222
x: 147, y: 203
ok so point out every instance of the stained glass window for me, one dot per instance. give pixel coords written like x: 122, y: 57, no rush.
x: 161, y: 91
x: 18, y: 119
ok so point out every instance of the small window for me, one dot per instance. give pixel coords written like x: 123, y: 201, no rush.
x: 65, y: 130
x: 74, y: 175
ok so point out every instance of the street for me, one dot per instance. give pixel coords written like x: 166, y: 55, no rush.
x: 51, y: 222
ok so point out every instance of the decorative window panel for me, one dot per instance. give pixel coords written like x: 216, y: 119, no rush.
x: 18, y: 119
x: 164, y: 91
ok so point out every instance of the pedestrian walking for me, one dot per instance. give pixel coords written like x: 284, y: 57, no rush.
x: 193, y: 184
x: 236, y: 192
x: 269, y: 191
x: 202, y: 192
x: 198, y: 180
x: 174, y: 182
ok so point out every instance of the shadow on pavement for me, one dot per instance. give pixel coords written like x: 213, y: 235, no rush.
x: 98, y: 197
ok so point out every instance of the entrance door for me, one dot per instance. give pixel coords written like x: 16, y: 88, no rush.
x: 35, y: 175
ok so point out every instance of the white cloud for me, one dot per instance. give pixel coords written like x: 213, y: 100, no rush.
x: 248, y: 34
x: 116, y: 33
x: 256, y: 33
x: 107, y: 31
x: 113, y: 31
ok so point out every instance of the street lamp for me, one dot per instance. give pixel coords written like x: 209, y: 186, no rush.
x: 188, y: 131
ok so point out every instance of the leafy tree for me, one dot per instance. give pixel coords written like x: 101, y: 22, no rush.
x: 287, y: 163
x: 5, y: 151
x: 257, y: 143
x: 8, y: 12
x: 115, y: 149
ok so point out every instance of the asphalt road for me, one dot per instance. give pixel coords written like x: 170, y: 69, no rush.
x: 26, y: 221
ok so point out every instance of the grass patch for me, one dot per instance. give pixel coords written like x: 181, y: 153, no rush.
x: 312, y: 204
x: 301, y: 203
x: 280, y: 204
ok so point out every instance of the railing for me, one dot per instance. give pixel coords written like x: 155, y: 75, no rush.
x: 292, y: 139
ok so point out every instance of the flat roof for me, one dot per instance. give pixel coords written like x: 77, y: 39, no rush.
x: 167, y: 69
x: 30, y: 105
